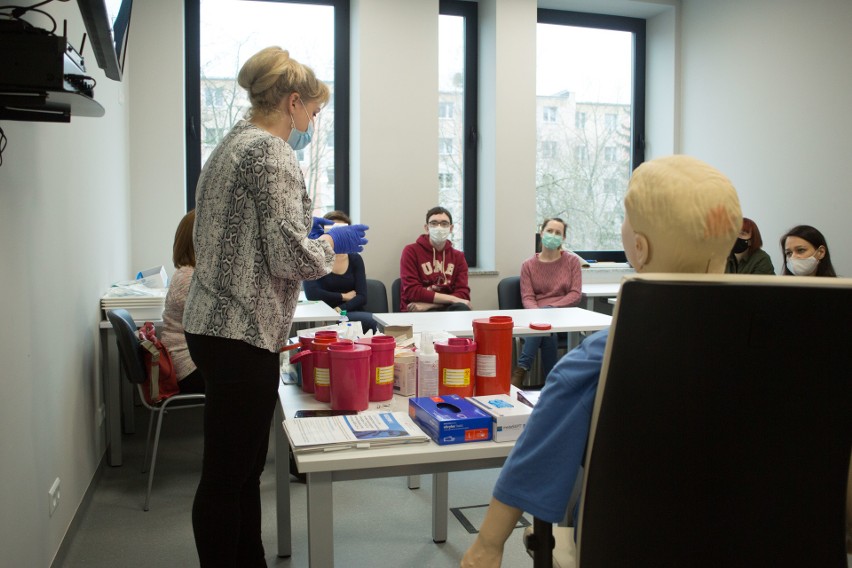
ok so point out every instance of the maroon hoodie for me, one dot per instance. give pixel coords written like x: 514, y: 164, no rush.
x: 425, y: 270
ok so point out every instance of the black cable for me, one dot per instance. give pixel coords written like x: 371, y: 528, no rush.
x: 18, y: 11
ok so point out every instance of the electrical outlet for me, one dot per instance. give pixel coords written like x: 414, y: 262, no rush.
x: 53, y: 496
x: 100, y: 415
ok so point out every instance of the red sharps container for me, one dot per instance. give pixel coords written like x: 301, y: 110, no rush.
x: 493, y: 337
x: 381, y: 366
x: 322, y: 387
x: 306, y: 357
x: 456, y: 358
x: 350, y: 375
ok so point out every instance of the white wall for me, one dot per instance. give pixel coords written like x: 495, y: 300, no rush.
x: 63, y: 214
x: 766, y: 88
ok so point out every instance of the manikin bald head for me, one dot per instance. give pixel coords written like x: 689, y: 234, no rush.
x: 681, y: 215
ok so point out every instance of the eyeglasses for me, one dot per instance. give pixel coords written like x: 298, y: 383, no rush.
x: 442, y: 224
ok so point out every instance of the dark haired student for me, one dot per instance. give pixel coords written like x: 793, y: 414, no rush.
x: 433, y: 274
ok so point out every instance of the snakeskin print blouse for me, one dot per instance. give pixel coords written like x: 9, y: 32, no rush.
x: 252, y: 218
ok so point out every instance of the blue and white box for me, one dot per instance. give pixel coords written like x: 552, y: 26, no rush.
x: 509, y: 416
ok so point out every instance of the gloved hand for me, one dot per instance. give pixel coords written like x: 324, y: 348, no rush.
x: 348, y: 238
x: 317, y: 229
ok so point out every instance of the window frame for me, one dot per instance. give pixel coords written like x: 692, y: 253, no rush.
x: 470, y: 185
x: 635, y: 26
x: 342, y: 90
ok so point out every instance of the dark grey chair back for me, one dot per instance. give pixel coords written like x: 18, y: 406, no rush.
x: 722, y: 426
x: 129, y: 349
x: 509, y: 293
x: 377, y: 297
x: 395, y: 295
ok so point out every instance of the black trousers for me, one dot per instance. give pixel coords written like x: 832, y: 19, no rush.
x: 241, y: 386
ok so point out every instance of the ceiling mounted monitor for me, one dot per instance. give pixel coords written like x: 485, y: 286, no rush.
x: 107, y: 24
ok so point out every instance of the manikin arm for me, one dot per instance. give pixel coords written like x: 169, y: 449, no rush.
x: 487, y: 550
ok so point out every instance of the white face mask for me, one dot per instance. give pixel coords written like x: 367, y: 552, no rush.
x: 802, y: 266
x: 439, y: 235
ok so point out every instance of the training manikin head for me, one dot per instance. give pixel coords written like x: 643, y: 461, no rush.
x: 682, y: 215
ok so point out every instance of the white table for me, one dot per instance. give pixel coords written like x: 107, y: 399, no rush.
x: 600, y: 290
x: 461, y: 323
x: 118, y: 400
x: 322, y: 469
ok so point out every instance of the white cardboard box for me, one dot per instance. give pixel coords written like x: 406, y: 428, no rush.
x: 509, y: 415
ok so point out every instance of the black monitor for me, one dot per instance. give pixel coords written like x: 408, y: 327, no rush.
x: 108, y: 31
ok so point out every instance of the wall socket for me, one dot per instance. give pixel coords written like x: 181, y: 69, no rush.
x: 53, y: 496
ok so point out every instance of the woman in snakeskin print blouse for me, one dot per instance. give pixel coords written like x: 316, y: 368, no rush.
x: 254, y: 244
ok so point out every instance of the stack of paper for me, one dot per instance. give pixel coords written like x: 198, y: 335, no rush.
x: 143, y: 303
x: 354, y: 431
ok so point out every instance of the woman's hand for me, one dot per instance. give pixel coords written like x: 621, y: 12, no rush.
x: 348, y: 295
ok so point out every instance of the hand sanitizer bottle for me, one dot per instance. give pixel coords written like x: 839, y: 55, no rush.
x: 427, y: 367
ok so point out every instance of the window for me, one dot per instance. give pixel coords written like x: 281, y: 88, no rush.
x: 457, y: 116
x: 592, y: 68
x: 445, y: 181
x: 549, y: 114
x: 222, y: 34
x: 212, y: 136
x: 214, y: 95
x: 548, y: 149
x: 329, y: 176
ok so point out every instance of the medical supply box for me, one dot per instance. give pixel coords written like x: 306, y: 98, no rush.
x: 450, y: 419
x: 509, y: 416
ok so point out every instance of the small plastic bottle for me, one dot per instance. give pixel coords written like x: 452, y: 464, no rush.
x: 427, y: 367
x: 343, y: 317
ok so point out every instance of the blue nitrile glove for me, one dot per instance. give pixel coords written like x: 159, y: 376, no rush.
x: 317, y: 229
x: 348, y: 238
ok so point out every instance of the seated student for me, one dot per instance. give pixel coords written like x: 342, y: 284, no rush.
x: 681, y: 215
x: 747, y: 256
x: 183, y: 257
x: 805, y: 253
x: 550, y: 279
x: 433, y: 274
x: 345, y: 287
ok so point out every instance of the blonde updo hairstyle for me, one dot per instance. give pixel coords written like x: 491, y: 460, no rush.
x: 270, y: 75
x: 688, y: 211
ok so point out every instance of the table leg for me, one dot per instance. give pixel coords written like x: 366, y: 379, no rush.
x: 321, y: 521
x: 414, y: 482
x: 111, y: 377
x: 282, y: 485
x: 440, y: 506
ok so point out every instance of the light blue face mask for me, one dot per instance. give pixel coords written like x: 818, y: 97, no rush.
x: 551, y: 241
x: 298, y: 139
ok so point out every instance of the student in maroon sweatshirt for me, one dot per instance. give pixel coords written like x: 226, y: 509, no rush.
x: 433, y: 273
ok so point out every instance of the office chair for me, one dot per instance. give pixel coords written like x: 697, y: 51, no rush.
x: 133, y: 365
x: 377, y: 297
x: 395, y: 295
x: 722, y: 426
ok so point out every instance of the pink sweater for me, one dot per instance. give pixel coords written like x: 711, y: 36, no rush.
x: 558, y: 284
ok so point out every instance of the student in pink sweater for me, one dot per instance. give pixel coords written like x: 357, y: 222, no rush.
x: 549, y: 279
